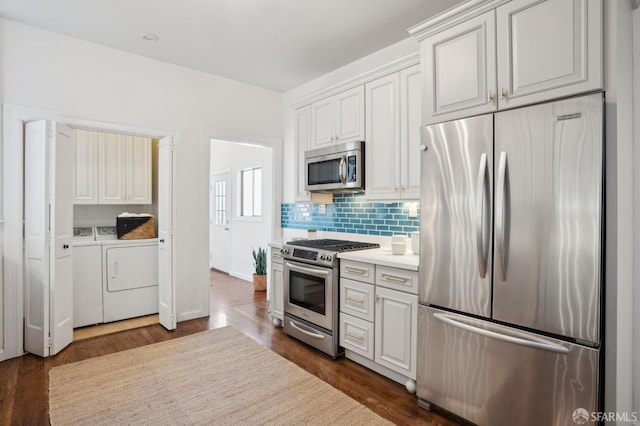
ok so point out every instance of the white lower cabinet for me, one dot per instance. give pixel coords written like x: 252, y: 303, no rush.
x: 276, y: 287
x: 396, y: 334
x: 378, y: 324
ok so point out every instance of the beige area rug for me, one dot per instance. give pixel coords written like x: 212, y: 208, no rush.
x: 215, y: 377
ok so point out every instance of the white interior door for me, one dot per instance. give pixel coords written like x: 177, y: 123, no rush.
x: 219, y: 223
x: 166, y: 258
x: 48, y: 234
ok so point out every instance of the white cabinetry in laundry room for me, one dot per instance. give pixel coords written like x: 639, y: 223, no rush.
x: 111, y: 169
x: 338, y: 118
x: 378, y: 318
x: 393, y: 120
x: 518, y: 53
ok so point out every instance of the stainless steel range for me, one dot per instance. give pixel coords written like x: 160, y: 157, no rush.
x: 311, y: 286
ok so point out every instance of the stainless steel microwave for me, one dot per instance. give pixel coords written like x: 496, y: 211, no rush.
x: 338, y: 168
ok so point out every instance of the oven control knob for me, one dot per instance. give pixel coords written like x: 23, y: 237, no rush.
x: 284, y: 251
x: 322, y: 257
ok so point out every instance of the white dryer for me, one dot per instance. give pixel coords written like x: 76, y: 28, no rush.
x: 130, y: 278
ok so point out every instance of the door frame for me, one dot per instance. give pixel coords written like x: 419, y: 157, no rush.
x: 13, y: 202
x: 232, y: 136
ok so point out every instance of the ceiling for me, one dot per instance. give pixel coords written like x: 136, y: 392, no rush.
x: 275, y: 44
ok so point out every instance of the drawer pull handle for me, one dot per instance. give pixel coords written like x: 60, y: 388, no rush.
x: 355, y: 270
x: 276, y: 255
x: 394, y: 278
x: 354, y: 336
x: 354, y: 299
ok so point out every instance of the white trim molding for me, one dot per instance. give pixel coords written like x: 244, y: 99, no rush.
x: 388, y: 68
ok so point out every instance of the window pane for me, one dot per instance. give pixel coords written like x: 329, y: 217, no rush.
x: 247, y: 192
x: 257, y: 192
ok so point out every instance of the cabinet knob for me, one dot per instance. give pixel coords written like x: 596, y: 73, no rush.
x: 395, y: 188
x: 423, y: 147
x: 162, y: 240
x: 489, y: 97
x: 503, y: 94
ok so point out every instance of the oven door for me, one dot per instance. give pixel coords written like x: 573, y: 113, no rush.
x: 308, y: 292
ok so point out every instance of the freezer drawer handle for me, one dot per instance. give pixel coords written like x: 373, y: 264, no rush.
x: 308, y: 333
x: 481, y: 241
x: 500, y: 215
x: 516, y: 340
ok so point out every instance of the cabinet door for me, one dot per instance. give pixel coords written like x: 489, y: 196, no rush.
x: 460, y: 70
x: 111, y: 171
x: 302, y: 143
x: 548, y: 49
x: 322, y: 123
x: 356, y: 335
x: 138, y: 170
x: 348, y: 121
x: 395, y: 331
x: 410, y: 123
x: 277, y: 295
x: 85, y: 167
x: 383, y: 138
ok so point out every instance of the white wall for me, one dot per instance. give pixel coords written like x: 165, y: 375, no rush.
x: 246, y: 234
x: 79, y: 79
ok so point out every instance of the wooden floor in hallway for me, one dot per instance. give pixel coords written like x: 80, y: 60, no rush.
x: 24, y: 381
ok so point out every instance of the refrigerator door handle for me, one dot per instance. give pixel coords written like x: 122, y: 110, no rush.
x: 499, y: 336
x: 500, y: 215
x: 483, y: 182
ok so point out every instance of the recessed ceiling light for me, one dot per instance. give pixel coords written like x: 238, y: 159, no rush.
x: 149, y: 37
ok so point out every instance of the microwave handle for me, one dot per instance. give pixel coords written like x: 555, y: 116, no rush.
x: 343, y: 169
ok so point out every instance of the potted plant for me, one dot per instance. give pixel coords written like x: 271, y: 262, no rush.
x: 260, y: 265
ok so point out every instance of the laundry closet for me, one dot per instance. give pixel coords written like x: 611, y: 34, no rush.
x: 115, y: 210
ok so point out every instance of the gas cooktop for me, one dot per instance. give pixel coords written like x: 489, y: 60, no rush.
x: 333, y: 245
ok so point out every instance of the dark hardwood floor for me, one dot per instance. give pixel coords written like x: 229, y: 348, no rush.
x: 24, y: 381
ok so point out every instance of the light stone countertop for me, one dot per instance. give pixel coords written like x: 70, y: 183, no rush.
x: 383, y: 256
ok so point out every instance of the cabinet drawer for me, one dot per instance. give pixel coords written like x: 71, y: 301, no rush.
x: 276, y: 257
x: 358, y: 271
x: 356, y: 298
x: 356, y: 335
x: 397, y: 279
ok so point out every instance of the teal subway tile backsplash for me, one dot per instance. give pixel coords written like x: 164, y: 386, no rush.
x: 351, y: 213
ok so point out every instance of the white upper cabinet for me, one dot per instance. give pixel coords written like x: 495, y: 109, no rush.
x: 548, y: 49
x: 338, y: 118
x: 393, y: 136
x: 383, y: 138
x: 85, y: 170
x: 138, y: 170
x: 410, y: 123
x: 303, y: 137
x: 520, y: 53
x: 460, y: 70
x: 111, y: 168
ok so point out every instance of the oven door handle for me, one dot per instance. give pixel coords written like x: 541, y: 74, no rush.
x: 307, y: 270
x: 308, y: 333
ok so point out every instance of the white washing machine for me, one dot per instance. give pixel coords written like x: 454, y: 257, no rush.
x: 87, y: 278
x: 130, y: 278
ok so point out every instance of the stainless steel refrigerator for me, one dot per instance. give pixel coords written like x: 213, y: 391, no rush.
x: 509, y: 322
